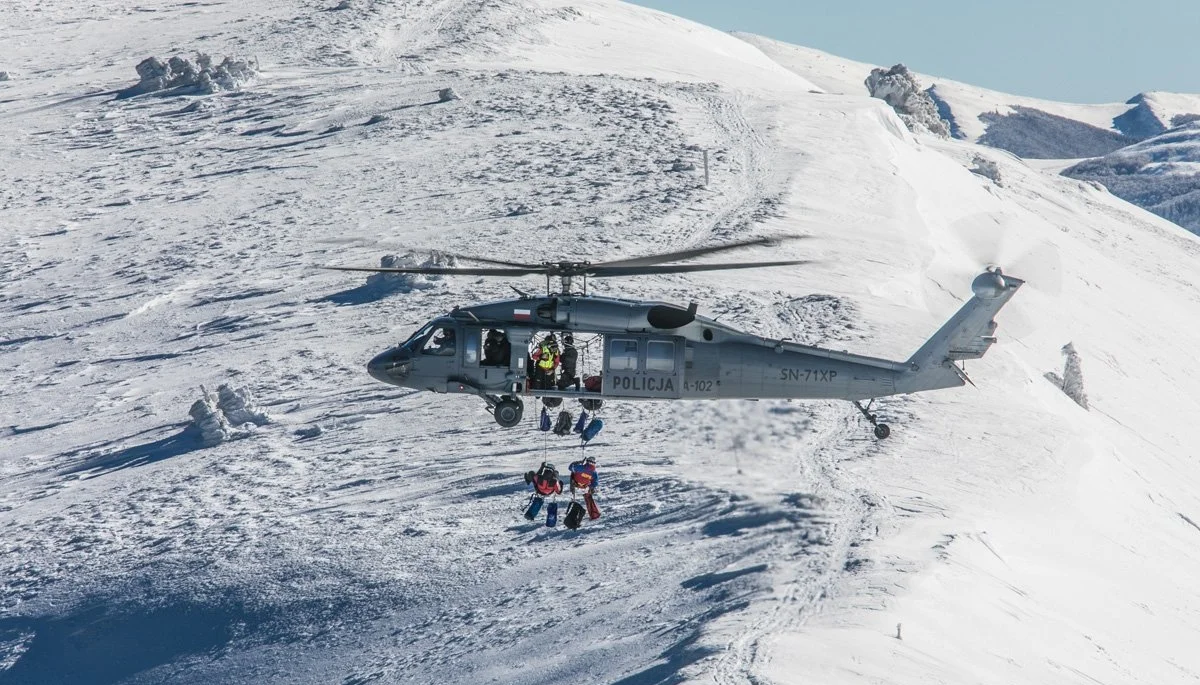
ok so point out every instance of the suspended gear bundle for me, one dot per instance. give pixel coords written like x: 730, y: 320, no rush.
x: 563, y: 425
x: 593, y: 428
x: 574, y: 515
x: 583, y: 419
x: 544, y: 424
x: 534, y: 506
x: 592, y: 510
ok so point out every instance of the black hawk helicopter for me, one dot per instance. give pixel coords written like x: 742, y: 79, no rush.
x: 661, y: 351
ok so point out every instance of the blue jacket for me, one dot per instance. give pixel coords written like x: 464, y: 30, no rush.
x: 584, y: 476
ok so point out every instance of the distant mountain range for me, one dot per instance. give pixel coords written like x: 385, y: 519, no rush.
x: 1145, y: 151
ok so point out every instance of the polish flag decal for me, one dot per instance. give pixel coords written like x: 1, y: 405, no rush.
x: 521, y: 314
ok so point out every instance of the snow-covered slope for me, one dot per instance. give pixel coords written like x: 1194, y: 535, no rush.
x: 158, y: 243
x: 1029, y: 127
x: 1161, y: 174
x: 1128, y: 141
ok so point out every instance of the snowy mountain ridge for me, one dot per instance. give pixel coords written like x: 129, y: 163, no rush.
x: 1033, y: 129
x: 160, y: 243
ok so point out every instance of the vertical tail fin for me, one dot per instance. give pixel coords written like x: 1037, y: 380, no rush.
x: 967, y: 335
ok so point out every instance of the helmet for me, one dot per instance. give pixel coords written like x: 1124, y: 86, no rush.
x: 568, y: 338
x: 589, y: 460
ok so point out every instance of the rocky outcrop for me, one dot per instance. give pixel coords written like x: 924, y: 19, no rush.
x: 899, y: 88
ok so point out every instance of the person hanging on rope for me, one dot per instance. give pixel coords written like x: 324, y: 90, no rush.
x: 583, y: 479
x: 583, y: 475
x: 545, y: 484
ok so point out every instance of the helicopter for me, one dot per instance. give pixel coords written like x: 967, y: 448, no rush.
x: 660, y: 351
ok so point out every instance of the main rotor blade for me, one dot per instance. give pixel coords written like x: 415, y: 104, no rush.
x: 497, y: 262
x: 608, y: 271
x: 435, y: 270
x: 696, y: 252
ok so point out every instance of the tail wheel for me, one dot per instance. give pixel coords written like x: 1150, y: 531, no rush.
x: 882, y: 430
x: 508, y: 412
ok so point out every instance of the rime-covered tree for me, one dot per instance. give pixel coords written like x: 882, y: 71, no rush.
x: 1071, y: 381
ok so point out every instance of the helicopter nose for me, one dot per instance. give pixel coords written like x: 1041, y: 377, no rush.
x: 391, y: 366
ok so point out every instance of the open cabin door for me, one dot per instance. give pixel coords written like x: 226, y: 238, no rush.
x: 642, y: 366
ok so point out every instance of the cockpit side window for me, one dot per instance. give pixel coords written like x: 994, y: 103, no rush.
x: 442, y: 343
x: 414, y: 340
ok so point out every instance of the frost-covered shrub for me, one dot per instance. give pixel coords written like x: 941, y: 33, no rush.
x: 986, y: 168
x: 4, y: 76
x: 208, y: 420
x: 404, y: 283
x: 447, y: 95
x: 198, y: 76
x: 1071, y: 381
x: 227, y: 415
x: 238, y: 406
x: 899, y: 88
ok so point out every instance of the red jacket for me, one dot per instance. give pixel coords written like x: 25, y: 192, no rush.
x: 547, y: 486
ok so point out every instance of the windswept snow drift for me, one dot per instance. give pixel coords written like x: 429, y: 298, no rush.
x: 372, y: 534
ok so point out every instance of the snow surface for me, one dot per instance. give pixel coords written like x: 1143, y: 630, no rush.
x: 156, y: 244
x: 1161, y: 174
x: 974, y: 110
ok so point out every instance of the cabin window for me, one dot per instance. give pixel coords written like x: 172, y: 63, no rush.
x: 497, y: 350
x: 441, y: 343
x: 622, y: 355
x: 471, y: 348
x: 660, y: 356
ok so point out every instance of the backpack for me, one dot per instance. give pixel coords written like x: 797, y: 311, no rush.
x: 563, y: 425
x: 594, y: 426
x: 546, y: 479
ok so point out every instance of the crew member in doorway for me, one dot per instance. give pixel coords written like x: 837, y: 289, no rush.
x: 545, y: 362
x: 497, y: 350
x: 569, y: 360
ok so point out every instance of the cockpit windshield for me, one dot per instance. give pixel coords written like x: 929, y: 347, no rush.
x: 414, y: 341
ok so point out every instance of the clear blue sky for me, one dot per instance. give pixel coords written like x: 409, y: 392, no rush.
x: 1067, y: 50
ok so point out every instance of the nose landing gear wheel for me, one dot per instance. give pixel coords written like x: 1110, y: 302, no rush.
x: 882, y: 430
x: 508, y: 412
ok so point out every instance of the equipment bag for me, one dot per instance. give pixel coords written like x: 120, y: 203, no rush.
x: 563, y: 425
x: 574, y: 515
x: 544, y: 424
x: 592, y: 510
x: 593, y: 427
x: 583, y: 419
x: 534, y: 506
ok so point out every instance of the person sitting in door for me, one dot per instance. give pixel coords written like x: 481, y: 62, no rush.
x: 497, y: 350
